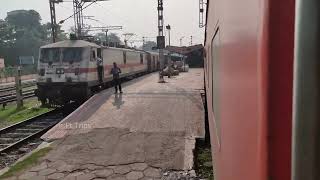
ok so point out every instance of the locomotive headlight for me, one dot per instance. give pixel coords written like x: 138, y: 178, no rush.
x: 59, y: 71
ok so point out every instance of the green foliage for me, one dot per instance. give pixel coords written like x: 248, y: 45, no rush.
x: 61, y: 35
x: 11, y: 115
x: 149, y: 45
x: 112, y: 38
x: 21, y: 34
x: 204, y: 162
x: 30, y: 161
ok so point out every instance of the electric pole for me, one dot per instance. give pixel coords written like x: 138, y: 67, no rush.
x: 53, y: 19
x: 127, y: 36
x: 160, y: 39
x: 201, y: 14
x: 169, y: 29
x: 106, y: 30
x: 78, y: 7
x: 143, y: 41
x: 190, y: 40
x: 181, y: 40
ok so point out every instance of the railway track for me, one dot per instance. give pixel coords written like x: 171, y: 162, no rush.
x: 21, y: 138
x: 13, y: 88
x: 14, y: 136
x: 7, y: 98
x: 8, y: 94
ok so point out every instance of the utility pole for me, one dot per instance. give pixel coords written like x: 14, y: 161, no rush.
x: 181, y: 40
x: 201, y: 14
x: 190, y: 40
x: 160, y: 39
x: 78, y: 18
x: 169, y: 29
x: 19, y: 95
x: 127, y: 36
x: 106, y: 30
x: 77, y: 15
x: 53, y: 19
x: 143, y: 41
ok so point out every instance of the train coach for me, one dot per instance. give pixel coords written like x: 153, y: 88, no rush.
x: 67, y: 70
x: 249, y: 85
x: 262, y: 83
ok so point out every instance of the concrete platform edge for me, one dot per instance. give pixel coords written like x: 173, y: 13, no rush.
x: 41, y: 146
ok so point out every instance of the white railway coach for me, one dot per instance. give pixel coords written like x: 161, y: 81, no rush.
x: 67, y: 70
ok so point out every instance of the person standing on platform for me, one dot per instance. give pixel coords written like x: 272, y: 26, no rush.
x: 116, y: 71
x: 100, y: 69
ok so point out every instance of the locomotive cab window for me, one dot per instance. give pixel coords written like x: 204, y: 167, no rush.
x: 72, y: 55
x: 93, y: 55
x: 50, y: 55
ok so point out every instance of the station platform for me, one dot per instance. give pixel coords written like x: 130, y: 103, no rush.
x: 150, y: 128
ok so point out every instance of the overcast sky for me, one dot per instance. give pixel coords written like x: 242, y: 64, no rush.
x: 136, y: 16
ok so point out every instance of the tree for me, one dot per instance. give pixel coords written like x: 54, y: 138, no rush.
x: 21, y: 34
x: 26, y: 37
x: 26, y: 19
x: 100, y: 37
x: 148, y: 45
x: 113, y: 39
x: 6, y: 34
x: 61, y: 34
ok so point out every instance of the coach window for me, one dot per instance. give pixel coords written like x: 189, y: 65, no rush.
x: 124, y: 58
x: 141, y: 58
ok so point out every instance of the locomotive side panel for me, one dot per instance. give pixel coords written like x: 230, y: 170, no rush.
x: 109, y: 57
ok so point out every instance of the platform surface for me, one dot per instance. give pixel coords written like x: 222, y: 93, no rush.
x: 151, y: 127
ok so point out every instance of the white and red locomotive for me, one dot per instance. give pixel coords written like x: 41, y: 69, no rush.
x: 67, y: 70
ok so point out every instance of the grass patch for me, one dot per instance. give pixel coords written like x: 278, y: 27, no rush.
x: 27, y: 163
x: 204, y: 166
x: 11, y: 115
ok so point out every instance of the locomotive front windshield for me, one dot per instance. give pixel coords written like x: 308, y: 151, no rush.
x: 50, y: 55
x: 72, y: 54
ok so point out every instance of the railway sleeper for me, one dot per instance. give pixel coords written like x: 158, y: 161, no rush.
x: 8, y: 140
x: 32, y: 130
x: 44, y: 125
x: 16, y: 135
x: 2, y: 146
x: 36, y: 126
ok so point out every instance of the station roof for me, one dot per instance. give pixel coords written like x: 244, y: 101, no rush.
x: 184, y: 50
x: 71, y: 43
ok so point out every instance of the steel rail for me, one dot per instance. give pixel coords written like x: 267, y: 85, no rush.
x: 42, y: 122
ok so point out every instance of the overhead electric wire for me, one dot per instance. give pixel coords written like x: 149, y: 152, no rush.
x: 62, y: 21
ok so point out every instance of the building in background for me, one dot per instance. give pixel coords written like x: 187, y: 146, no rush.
x: 26, y: 60
x: 193, y: 54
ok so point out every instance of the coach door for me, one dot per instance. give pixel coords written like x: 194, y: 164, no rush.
x: 306, y: 128
x: 148, y: 61
x: 101, y: 68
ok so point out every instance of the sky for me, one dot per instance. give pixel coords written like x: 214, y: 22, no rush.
x: 136, y: 16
